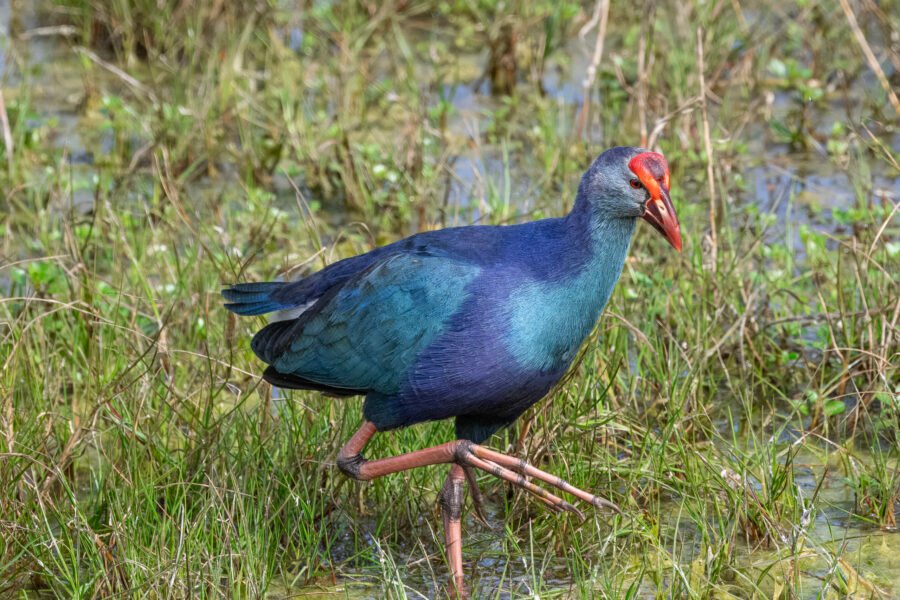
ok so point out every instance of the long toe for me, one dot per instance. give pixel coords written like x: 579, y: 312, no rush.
x: 518, y: 472
x: 553, y: 501
x: 477, y: 497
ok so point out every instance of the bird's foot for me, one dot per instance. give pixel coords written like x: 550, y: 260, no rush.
x: 518, y: 472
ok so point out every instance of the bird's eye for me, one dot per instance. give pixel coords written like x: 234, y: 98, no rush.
x: 636, y: 184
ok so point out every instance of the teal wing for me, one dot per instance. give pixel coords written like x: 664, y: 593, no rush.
x: 366, y: 334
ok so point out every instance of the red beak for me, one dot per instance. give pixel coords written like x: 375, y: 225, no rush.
x: 660, y: 213
x: 653, y: 171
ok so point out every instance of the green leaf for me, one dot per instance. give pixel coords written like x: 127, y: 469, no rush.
x: 833, y: 407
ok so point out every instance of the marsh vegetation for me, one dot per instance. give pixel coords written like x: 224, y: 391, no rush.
x: 740, y: 401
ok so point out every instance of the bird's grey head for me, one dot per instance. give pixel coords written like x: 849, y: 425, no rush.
x: 612, y: 188
x: 626, y: 182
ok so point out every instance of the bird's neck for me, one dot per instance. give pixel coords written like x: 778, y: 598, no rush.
x: 551, y: 318
x: 607, y: 240
x: 605, y: 234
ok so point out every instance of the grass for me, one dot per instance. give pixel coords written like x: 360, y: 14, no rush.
x: 740, y: 401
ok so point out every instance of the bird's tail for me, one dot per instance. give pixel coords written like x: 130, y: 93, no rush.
x: 249, y: 299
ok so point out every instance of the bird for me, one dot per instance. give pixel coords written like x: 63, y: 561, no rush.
x: 475, y: 323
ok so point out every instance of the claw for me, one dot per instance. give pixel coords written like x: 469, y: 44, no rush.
x: 571, y: 508
x: 599, y: 502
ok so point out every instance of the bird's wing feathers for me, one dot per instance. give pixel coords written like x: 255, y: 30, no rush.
x: 292, y: 298
x: 366, y: 333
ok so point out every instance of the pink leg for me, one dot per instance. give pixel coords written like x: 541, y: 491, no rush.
x: 464, y: 455
x: 451, y: 499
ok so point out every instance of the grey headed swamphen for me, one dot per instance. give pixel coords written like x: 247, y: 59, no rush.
x: 476, y: 323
